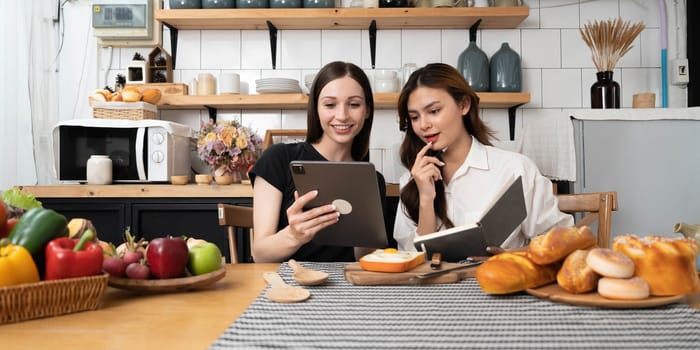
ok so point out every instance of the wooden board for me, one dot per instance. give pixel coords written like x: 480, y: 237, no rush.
x: 357, y: 276
x: 555, y: 293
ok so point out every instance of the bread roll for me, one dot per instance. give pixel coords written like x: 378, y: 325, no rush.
x: 575, y: 276
x: 623, y: 288
x: 666, y: 264
x: 559, y: 242
x: 151, y: 96
x: 513, y: 272
x: 610, y: 263
x: 131, y: 95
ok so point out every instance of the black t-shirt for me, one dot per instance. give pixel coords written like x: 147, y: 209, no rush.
x: 273, y: 166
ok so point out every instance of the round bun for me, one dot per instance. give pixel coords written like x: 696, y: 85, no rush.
x: 131, y: 95
x: 151, y: 96
x: 623, y: 288
x: 610, y: 263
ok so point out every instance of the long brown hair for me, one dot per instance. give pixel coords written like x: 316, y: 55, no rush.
x: 436, y: 76
x: 330, y: 72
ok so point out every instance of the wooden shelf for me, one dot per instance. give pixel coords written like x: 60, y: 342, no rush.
x: 344, y: 18
x: 299, y: 101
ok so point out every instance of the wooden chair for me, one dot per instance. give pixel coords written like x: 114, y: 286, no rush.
x: 597, y: 206
x: 270, y: 134
x: 235, y: 216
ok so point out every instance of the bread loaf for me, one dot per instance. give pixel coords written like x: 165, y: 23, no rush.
x: 513, y: 272
x: 559, y: 242
x: 575, y: 276
x: 667, y: 264
x: 151, y: 96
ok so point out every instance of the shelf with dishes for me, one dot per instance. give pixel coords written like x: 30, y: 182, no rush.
x: 338, y: 18
x: 509, y: 100
x: 299, y: 101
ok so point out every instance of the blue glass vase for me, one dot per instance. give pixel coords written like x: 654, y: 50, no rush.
x: 474, y: 64
x: 506, y: 73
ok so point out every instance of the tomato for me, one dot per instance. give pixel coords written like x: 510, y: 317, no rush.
x: 3, y: 217
x: 10, y: 224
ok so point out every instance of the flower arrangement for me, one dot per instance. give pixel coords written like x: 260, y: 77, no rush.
x: 227, y: 147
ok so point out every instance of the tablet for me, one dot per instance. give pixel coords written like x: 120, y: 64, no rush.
x: 353, y: 188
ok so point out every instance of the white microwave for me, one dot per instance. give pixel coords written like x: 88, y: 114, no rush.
x: 140, y: 150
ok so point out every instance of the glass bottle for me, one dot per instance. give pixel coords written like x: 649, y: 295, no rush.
x: 605, y: 92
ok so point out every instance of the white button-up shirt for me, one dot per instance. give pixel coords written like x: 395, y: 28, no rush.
x: 474, y: 187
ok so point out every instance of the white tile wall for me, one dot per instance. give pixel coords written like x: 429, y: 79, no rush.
x: 557, y: 66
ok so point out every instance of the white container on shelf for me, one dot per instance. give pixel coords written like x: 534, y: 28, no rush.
x: 99, y: 170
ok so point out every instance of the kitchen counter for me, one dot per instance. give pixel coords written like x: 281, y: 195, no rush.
x: 153, y: 191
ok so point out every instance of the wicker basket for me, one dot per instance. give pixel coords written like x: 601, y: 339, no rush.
x: 124, y: 110
x: 51, y: 298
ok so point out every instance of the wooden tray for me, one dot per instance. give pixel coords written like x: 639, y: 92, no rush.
x: 168, y: 285
x: 555, y: 293
x: 357, y: 276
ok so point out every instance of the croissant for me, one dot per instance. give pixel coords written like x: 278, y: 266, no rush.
x: 558, y: 243
x: 513, y: 272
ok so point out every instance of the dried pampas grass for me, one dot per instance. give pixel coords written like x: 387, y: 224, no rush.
x: 609, y: 40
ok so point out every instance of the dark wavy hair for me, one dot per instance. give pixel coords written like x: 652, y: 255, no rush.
x: 330, y: 72
x: 445, y: 77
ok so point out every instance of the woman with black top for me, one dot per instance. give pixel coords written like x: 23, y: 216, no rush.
x: 340, y: 114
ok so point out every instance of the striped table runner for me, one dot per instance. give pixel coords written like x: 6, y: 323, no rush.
x: 340, y: 315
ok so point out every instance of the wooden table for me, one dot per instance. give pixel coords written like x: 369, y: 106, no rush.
x: 189, y: 320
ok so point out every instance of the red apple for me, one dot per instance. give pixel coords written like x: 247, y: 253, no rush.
x: 167, y: 257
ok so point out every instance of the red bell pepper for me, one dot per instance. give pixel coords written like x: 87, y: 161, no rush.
x: 69, y: 258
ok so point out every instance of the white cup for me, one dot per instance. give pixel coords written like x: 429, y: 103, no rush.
x: 229, y: 83
x: 206, y: 84
x: 481, y: 3
x: 371, y: 3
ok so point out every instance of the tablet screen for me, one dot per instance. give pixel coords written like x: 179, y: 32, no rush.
x: 353, y: 188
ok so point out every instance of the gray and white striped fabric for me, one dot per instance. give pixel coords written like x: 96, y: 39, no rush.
x: 340, y: 315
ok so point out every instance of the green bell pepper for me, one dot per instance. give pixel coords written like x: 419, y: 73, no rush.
x: 36, y: 228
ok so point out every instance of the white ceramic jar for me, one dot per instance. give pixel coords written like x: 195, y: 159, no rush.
x: 99, y: 170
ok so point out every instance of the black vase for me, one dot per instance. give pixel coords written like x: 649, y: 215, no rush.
x: 605, y: 93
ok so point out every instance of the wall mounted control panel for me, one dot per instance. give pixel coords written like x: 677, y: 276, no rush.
x: 126, y: 22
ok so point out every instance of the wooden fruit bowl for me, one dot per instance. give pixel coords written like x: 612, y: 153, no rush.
x: 168, y: 285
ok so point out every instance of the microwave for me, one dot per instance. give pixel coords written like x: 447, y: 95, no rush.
x: 140, y: 150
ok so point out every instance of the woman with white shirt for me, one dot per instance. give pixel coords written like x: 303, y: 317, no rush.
x: 455, y: 170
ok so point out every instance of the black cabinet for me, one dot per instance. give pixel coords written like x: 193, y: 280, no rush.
x: 154, y: 217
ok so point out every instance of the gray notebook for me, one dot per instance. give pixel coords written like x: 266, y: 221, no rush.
x: 353, y: 188
x: 496, y: 224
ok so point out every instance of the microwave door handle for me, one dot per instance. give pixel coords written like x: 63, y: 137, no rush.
x: 140, y: 168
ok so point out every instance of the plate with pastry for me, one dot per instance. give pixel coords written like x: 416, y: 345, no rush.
x: 556, y: 293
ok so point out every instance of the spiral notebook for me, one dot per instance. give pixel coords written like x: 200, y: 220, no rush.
x: 506, y: 212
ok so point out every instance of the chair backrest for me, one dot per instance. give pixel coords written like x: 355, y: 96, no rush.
x: 270, y: 134
x: 235, y: 216
x: 596, y: 205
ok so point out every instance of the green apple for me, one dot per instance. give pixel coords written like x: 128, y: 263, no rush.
x: 203, y: 258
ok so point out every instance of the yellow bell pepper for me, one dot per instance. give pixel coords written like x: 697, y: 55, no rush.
x: 16, y: 266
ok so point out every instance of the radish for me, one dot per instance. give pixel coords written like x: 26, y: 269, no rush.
x: 138, y: 271
x: 114, y: 266
x: 132, y: 256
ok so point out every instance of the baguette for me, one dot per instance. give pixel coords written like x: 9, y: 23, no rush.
x: 558, y: 243
x: 507, y: 273
x: 575, y: 276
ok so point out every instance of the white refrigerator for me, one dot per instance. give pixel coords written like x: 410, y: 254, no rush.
x: 651, y: 157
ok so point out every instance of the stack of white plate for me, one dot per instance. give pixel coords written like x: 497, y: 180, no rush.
x: 277, y: 86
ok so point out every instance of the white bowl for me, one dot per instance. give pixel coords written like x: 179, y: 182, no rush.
x: 386, y: 85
